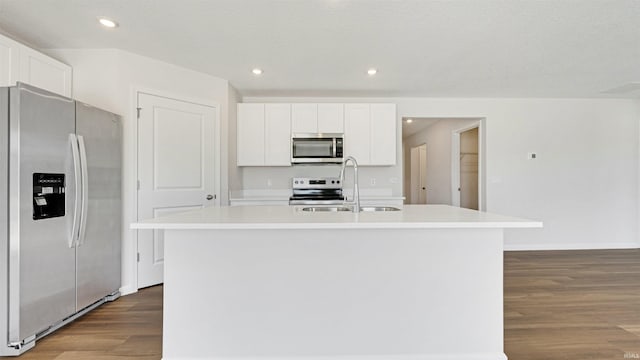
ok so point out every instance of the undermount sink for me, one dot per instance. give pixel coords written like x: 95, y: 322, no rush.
x: 378, y: 208
x: 342, y: 208
x: 326, y: 208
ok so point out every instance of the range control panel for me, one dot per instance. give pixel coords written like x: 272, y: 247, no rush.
x: 316, y: 183
x: 48, y: 195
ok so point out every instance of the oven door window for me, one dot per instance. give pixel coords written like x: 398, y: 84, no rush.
x: 312, y: 148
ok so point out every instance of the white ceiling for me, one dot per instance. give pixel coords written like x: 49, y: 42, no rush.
x: 457, y: 48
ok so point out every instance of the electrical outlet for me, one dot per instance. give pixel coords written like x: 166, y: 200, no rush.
x: 373, y: 182
x: 532, y: 156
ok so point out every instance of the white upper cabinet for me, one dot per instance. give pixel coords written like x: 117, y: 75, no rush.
x: 21, y: 63
x: 357, y: 132
x: 251, y: 134
x: 44, y: 72
x: 331, y: 118
x: 383, y: 134
x: 264, y: 135
x: 9, y: 56
x: 317, y: 118
x: 277, y: 134
x: 370, y: 133
x: 264, y: 131
x: 304, y: 118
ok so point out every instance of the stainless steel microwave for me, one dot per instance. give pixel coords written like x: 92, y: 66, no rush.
x: 317, y: 148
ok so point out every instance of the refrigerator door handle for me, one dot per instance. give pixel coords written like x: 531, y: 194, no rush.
x: 73, y: 141
x: 85, y: 190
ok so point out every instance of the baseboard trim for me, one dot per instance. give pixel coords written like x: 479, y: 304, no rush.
x: 128, y: 290
x: 572, y: 246
x: 469, y: 356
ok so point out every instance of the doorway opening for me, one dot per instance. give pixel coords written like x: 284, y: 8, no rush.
x: 465, y: 166
x: 445, y: 167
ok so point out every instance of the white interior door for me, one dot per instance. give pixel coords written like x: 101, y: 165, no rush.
x: 176, y: 170
x: 419, y: 174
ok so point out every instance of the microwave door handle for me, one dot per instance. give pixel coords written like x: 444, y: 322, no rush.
x: 335, y: 147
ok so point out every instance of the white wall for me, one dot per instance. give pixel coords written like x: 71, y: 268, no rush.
x: 584, y: 185
x: 438, y: 139
x: 107, y: 78
x: 235, y: 172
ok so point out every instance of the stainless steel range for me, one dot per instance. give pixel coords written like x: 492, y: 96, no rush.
x: 316, y: 191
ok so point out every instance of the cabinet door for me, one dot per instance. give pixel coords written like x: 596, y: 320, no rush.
x: 383, y: 134
x: 357, y: 132
x: 9, y: 55
x: 331, y: 118
x: 251, y: 134
x: 277, y: 134
x: 304, y: 118
x: 44, y: 72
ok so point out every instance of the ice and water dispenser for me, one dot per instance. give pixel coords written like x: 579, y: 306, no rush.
x: 48, y: 195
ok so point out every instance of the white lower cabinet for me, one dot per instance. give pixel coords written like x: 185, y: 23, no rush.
x: 370, y: 133
x: 264, y: 135
x: 21, y: 63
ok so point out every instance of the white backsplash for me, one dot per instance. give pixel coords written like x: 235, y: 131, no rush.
x: 373, y: 180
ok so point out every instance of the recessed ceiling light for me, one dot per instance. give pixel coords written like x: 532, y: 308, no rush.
x: 409, y: 121
x: 107, y: 22
x: 372, y: 71
x: 257, y: 71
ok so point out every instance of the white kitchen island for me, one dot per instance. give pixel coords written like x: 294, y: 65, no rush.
x: 279, y: 283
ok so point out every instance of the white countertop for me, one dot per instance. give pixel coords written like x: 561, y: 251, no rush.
x: 290, y: 217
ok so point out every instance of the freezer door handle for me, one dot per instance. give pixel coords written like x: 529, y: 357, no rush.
x: 73, y: 141
x: 85, y: 190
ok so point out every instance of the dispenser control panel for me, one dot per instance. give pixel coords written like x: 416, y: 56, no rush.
x: 48, y: 195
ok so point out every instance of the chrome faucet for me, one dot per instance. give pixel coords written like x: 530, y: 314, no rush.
x: 356, y: 192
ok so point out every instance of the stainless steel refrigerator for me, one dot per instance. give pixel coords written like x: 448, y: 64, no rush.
x: 60, y: 212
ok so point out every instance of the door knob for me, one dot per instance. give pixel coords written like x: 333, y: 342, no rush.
x: 210, y: 197
x: 424, y: 188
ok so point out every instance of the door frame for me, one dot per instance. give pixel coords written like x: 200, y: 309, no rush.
x: 455, y: 163
x: 133, y: 153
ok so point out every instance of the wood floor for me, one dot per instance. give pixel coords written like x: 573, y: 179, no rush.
x: 128, y: 328
x: 559, y: 305
x: 572, y: 304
